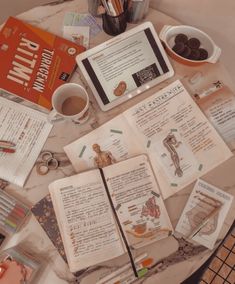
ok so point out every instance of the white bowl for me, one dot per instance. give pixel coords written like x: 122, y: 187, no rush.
x: 168, y: 34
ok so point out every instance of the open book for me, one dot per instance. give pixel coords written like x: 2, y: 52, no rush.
x: 86, y: 218
x: 169, y: 127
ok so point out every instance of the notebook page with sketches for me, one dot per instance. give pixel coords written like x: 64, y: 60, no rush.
x: 202, y: 201
x: 28, y: 129
x: 170, y: 128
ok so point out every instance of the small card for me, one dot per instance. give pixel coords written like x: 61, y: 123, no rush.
x: 77, y: 34
x: 203, y: 201
x: 75, y: 19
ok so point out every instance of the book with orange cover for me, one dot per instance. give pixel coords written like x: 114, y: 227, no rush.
x: 34, y: 62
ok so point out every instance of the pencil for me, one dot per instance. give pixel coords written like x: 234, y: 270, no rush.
x: 204, y: 222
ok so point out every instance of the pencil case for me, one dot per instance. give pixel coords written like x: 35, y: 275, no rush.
x: 18, y: 266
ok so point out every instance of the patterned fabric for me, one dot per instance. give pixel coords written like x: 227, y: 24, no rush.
x: 45, y: 214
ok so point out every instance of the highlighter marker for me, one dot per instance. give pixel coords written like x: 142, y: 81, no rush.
x: 7, y: 150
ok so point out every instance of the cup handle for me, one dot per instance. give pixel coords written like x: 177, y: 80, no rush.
x: 53, y: 117
x: 216, y: 54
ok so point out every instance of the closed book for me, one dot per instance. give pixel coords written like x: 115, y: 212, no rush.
x: 34, y: 62
x: 45, y: 215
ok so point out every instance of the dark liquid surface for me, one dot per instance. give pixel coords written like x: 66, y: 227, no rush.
x: 73, y: 105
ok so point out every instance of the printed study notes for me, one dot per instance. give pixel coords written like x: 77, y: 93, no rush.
x: 218, y: 104
x: 28, y: 130
x: 85, y: 217
x: 169, y: 127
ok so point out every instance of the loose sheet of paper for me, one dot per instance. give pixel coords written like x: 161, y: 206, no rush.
x: 28, y: 129
x: 219, y: 107
x: 202, y: 201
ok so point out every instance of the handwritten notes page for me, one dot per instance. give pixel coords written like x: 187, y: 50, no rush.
x: 87, y: 224
x: 28, y: 129
x: 138, y: 202
x: 201, y: 203
x: 181, y: 143
x: 170, y: 128
x: 85, y: 220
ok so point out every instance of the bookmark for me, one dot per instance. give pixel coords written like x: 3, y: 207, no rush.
x: 119, y: 224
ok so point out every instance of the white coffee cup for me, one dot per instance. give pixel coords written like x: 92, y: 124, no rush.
x: 70, y: 101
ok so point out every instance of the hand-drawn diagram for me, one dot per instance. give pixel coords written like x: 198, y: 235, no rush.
x: 142, y: 220
x: 151, y: 208
x: 102, y: 158
x: 171, y: 143
x: 204, y: 205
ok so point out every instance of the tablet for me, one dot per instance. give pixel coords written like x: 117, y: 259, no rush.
x: 125, y: 66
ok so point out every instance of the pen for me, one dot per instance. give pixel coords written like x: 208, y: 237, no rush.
x: 121, y: 269
x: 11, y: 202
x: 13, y: 210
x: 213, y: 88
x: 130, y: 278
x: 7, y: 144
x: 7, y: 220
x: 8, y: 227
x: 204, y: 222
x: 127, y: 277
x: 7, y: 150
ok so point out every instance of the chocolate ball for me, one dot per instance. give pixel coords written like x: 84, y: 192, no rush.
x: 181, y: 38
x: 193, y: 43
x: 195, y: 54
x: 203, y: 54
x: 187, y: 52
x: 178, y: 48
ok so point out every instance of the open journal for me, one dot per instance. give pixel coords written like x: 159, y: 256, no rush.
x: 85, y: 214
x: 169, y: 127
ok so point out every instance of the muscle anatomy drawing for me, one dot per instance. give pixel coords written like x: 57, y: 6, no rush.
x: 171, y: 143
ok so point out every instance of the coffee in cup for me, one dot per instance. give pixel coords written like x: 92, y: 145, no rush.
x: 70, y: 102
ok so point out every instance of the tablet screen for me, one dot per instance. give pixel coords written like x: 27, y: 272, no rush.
x: 124, y: 66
